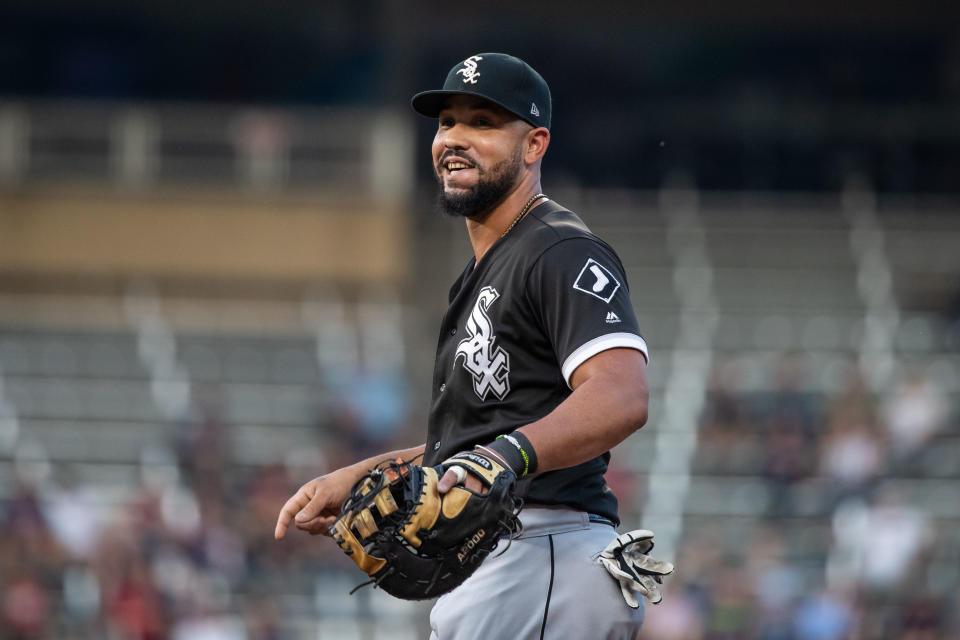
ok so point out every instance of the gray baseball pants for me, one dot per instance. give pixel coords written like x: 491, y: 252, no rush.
x: 547, y: 585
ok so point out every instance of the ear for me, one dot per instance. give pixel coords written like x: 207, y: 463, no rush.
x: 535, y: 144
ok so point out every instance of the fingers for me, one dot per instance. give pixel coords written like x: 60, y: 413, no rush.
x: 311, y: 509
x: 450, y: 479
x: 459, y: 476
x: 628, y: 596
x: 651, y: 590
x: 302, y: 508
x: 290, y: 508
x: 645, y: 564
x: 318, y: 526
x: 651, y: 565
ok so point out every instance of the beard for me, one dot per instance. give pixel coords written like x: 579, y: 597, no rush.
x: 492, y: 187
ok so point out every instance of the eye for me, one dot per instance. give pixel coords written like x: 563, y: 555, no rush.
x: 446, y: 121
x: 482, y: 121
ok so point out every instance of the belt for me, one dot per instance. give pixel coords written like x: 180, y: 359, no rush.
x: 601, y: 520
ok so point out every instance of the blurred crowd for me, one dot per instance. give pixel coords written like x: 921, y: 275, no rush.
x: 836, y: 548
x: 188, y: 554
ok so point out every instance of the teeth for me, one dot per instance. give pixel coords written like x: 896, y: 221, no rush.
x: 456, y: 166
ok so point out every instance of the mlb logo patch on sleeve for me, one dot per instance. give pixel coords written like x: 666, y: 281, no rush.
x: 597, y: 281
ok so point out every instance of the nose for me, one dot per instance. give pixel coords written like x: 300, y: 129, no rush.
x: 453, y: 137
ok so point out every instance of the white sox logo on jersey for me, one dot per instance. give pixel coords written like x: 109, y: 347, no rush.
x: 469, y: 71
x: 489, y: 365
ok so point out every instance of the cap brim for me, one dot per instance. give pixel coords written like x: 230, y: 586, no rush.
x: 430, y: 103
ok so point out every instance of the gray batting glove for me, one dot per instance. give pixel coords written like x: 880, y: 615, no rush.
x: 627, y: 561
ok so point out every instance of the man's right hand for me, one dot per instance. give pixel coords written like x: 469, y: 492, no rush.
x: 316, y: 505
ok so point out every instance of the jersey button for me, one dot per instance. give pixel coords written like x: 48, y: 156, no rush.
x: 436, y: 445
x: 443, y: 387
x: 453, y: 331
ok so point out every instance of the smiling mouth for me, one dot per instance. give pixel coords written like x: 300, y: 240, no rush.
x: 454, y: 164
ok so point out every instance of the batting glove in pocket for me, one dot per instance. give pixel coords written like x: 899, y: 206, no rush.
x: 626, y: 559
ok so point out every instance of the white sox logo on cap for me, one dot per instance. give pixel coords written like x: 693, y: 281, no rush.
x: 469, y: 71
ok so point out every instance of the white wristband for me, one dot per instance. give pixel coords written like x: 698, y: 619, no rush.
x: 491, y: 452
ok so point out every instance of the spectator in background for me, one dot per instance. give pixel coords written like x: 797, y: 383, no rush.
x: 677, y: 617
x: 923, y: 619
x: 30, y: 561
x: 851, y: 454
x: 25, y: 606
x: 896, y: 535
x: 776, y: 585
x: 912, y: 414
x: 730, y: 615
x: 133, y: 606
x: 879, y: 546
x: 203, y: 444
x: 725, y: 443
x: 74, y: 514
x: 788, y: 459
x: 827, y: 615
x: 789, y: 400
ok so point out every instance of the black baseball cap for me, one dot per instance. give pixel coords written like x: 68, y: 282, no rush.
x: 500, y: 78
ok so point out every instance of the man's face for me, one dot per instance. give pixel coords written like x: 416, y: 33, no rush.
x: 477, y: 155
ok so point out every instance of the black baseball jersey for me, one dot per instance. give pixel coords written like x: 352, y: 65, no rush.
x: 541, y: 301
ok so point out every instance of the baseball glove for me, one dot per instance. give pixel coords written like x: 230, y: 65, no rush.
x: 415, y: 543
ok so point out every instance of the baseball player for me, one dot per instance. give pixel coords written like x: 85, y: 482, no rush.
x: 540, y: 364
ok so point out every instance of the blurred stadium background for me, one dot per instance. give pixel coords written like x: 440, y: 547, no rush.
x: 221, y: 275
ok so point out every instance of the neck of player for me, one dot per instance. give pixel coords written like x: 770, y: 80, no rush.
x: 485, y: 230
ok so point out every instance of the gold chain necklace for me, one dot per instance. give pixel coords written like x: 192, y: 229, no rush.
x: 523, y: 212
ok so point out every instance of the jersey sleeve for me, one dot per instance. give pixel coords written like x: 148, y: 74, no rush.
x: 578, y: 290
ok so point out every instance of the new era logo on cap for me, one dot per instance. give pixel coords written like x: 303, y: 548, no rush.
x: 533, y: 109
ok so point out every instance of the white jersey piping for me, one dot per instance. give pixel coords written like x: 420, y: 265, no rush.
x: 609, y: 341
